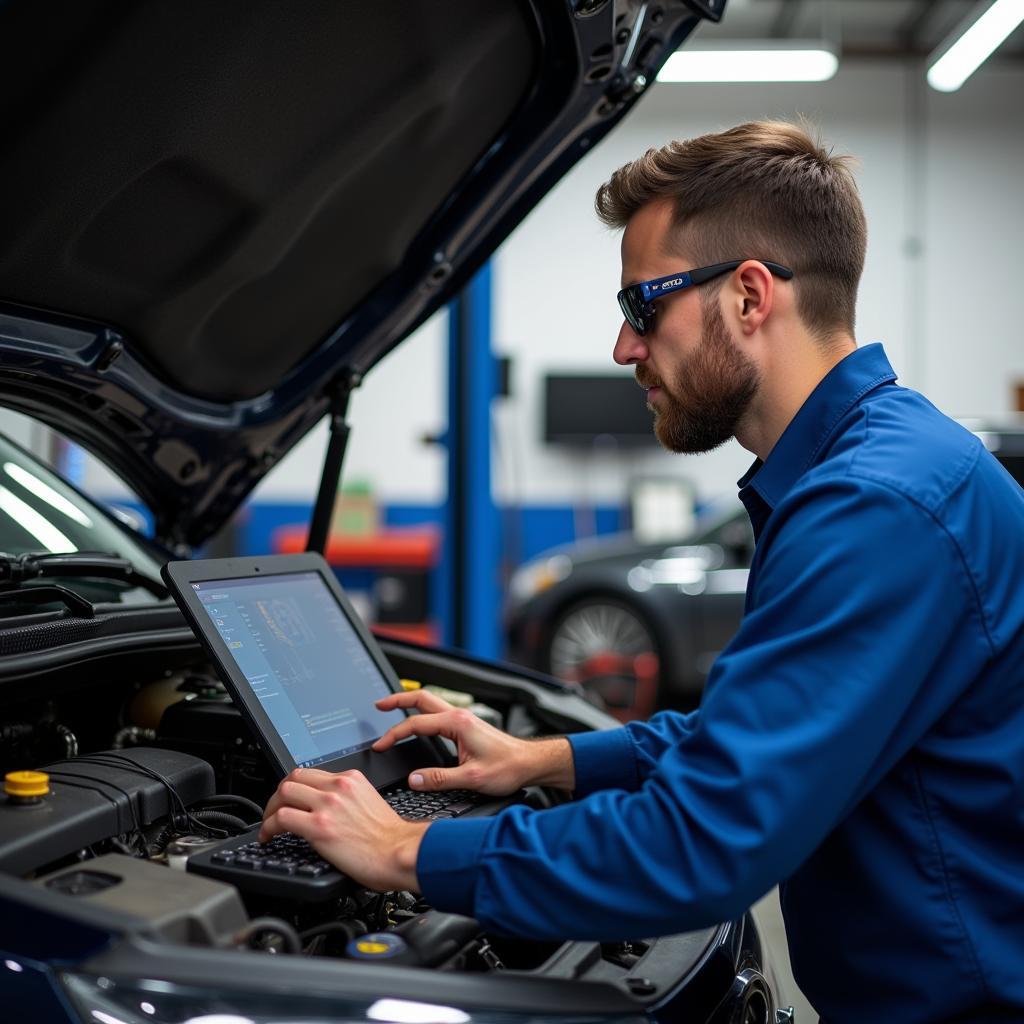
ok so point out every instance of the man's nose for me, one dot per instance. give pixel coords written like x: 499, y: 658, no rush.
x: 630, y: 347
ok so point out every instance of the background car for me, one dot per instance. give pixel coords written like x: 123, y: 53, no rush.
x: 639, y: 625
x: 217, y: 217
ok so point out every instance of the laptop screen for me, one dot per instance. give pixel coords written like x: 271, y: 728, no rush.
x: 304, y: 661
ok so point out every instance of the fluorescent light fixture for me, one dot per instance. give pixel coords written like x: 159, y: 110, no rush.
x: 753, y: 61
x: 972, y: 44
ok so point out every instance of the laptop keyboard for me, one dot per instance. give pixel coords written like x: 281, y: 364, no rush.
x: 415, y: 806
x: 288, y: 867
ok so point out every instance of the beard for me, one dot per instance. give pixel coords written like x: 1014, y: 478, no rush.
x: 701, y: 406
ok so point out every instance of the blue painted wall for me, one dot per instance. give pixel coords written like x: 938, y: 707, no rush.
x: 527, y: 531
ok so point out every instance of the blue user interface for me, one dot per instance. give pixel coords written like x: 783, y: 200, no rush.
x: 305, y: 663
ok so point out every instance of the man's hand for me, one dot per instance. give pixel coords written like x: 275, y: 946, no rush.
x: 348, y: 823
x: 490, y: 761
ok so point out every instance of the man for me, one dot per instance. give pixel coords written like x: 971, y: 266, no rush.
x: 861, y: 740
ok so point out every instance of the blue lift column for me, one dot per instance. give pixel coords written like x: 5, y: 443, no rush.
x: 472, y: 527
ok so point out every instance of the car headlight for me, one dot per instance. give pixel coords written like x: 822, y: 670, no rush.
x: 536, y: 577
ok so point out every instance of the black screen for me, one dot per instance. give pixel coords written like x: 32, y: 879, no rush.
x: 578, y: 409
x: 303, y: 660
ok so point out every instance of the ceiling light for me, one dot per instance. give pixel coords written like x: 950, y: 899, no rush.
x: 972, y: 43
x: 753, y: 61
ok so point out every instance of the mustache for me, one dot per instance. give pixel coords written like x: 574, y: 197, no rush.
x: 645, y: 378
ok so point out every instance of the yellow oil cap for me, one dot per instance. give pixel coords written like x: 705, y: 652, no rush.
x: 410, y: 684
x: 376, y: 946
x: 26, y: 784
x: 373, y: 947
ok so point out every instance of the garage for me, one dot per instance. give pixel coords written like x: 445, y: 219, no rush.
x: 511, y: 511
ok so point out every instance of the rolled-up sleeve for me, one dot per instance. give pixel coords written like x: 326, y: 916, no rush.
x: 690, y: 819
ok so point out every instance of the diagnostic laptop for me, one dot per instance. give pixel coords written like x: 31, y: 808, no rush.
x: 304, y: 671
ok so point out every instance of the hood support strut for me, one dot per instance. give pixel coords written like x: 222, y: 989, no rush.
x: 320, y: 521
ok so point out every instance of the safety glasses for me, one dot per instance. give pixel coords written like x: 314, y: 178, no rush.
x: 637, y: 301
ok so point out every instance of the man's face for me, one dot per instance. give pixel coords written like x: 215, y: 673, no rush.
x: 699, y: 383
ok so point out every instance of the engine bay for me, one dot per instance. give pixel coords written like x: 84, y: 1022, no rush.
x: 144, y: 776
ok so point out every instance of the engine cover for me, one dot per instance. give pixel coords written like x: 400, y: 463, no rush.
x: 91, y: 801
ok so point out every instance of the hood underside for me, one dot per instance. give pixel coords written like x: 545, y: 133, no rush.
x: 216, y: 214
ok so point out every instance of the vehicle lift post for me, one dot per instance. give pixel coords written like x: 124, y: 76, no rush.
x: 471, y: 555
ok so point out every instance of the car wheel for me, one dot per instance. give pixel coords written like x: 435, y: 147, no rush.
x: 610, y: 651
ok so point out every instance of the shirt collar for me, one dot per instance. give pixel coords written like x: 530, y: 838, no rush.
x: 794, y: 453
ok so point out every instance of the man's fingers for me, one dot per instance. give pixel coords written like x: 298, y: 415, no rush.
x: 286, y: 819
x: 444, y: 723
x: 428, y: 780
x: 421, y: 700
x: 314, y: 778
x: 291, y: 793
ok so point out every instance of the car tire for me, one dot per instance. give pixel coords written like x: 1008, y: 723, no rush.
x: 610, y: 650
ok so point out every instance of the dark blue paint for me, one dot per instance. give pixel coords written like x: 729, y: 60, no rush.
x: 32, y: 993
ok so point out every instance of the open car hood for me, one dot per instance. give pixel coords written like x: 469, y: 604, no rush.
x: 218, y: 214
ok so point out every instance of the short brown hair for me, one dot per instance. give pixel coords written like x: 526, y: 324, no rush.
x: 765, y: 189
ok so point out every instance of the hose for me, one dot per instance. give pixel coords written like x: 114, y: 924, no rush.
x: 232, y: 798
x: 244, y: 936
x: 215, y: 819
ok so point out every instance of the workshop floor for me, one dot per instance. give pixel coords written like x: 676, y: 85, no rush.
x: 768, y: 916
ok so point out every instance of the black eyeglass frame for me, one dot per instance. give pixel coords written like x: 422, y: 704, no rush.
x: 637, y: 301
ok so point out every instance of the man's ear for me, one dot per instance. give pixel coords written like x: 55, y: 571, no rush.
x: 754, y: 291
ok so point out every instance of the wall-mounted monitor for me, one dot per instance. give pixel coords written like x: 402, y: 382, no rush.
x: 578, y: 409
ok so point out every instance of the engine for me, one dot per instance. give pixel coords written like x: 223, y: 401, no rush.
x: 117, y: 828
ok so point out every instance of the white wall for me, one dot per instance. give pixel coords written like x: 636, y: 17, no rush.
x: 973, y: 343
x: 940, y: 178
x: 402, y: 401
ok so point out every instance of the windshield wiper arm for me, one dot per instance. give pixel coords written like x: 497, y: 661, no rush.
x: 49, y: 593
x: 15, y: 569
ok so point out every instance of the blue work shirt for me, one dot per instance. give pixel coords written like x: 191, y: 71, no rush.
x: 861, y: 739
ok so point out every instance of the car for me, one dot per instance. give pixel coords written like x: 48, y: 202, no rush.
x: 218, y: 217
x: 638, y: 625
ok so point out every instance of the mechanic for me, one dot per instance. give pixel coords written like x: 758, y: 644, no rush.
x: 861, y: 739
